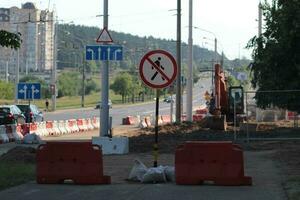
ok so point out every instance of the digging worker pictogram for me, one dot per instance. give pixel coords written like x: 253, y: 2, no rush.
x: 157, y: 62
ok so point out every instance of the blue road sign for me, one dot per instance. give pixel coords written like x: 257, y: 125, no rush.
x: 29, y: 90
x: 104, y: 52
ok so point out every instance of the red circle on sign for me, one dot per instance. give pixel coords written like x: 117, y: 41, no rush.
x: 170, y: 79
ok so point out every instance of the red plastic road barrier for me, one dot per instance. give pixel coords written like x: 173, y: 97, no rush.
x: 49, y: 127
x: 81, y: 125
x: 197, y: 117
x: 129, y: 120
x: 33, y: 127
x: 166, y: 118
x: 25, y: 129
x: 292, y: 115
x: 202, y: 111
x: 78, y: 161
x: 19, y: 131
x: 220, y: 162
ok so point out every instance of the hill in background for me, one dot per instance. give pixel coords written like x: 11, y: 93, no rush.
x: 73, y: 38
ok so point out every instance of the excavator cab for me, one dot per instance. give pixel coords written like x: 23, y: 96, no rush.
x: 236, y: 100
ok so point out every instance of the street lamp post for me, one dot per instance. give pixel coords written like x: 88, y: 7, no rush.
x: 83, y: 69
x: 189, y: 100
x: 178, y: 60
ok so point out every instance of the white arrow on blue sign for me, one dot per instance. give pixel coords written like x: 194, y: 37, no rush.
x: 29, y: 90
x: 104, y: 52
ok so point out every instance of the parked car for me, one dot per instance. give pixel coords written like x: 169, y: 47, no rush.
x: 99, y: 104
x: 169, y: 99
x: 31, y: 112
x: 11, y: 114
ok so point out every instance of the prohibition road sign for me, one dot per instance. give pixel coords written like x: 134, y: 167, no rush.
x: 158, y: 69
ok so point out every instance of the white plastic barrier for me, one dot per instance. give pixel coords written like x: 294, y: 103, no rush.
x: 44, y: 129
x: 55, y: 128
x: 72, y: 124
x: 68, y: 129
x: 114, y: 145
x: 12, y: 130
x: 3, y: 136
x: 96, y: 122
x: 39, y: 130
x: 19, y: 132
x: 143, y: 123
x: 89, y: 124
x: 61, y: 127
x: 9, y: 133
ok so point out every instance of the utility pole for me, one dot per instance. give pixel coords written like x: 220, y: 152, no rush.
x: 104, y: 113
x: 178, y: 59
x: 17, y: 76
x: 259, y: 19
x: 6, y: 72
x: 53, y: 79
x: 189, y: 100
x: 17, y: 70
x: 83, y: 84
x: 216, y: 51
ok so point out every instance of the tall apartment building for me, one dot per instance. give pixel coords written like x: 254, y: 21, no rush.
x: 37, y: 33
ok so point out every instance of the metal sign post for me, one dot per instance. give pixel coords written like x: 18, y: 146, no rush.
x: 155, y: 146
x: 157, y: 70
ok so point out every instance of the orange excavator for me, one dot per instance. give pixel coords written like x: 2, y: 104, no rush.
x: 226, y: 102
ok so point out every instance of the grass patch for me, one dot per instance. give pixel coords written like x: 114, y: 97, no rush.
x: 15, y: 173
x: 72, y: 102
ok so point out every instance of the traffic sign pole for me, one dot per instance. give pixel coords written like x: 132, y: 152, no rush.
x: 104, y: 113
x: 155, y: 146
x: 157, y: 70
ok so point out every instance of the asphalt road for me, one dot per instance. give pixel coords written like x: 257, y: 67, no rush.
x: 145, y: 109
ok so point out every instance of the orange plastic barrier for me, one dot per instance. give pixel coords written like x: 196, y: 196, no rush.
x: 197, y: 117
x: 202, y: 111
x: 81, y: 125
x: 33, y: 128
x: 129, y: 120
x: 25, y: 129
x: 292, y: 115
x: 78, y: 161
x: 49, y: 127
x: 166, y: 118
x: 220, y: 162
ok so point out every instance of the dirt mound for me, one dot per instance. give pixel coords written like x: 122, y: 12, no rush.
x: 20, y: 154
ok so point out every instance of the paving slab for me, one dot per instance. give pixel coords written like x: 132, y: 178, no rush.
x: 267, y: 179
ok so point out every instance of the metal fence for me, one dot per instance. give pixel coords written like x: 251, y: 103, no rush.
x: 271, y: 118
x: 272, y: 113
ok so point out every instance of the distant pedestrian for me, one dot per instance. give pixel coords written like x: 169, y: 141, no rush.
x: 47, y: 105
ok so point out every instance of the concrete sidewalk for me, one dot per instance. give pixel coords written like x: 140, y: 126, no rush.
x: 266, y: 176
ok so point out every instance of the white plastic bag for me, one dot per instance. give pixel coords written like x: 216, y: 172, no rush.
x: 32, y: 139
x: 155, y: 175
x: 170, y: 173
x: 137, y: 172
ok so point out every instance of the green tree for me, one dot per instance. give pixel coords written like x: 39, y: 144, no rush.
x: 7, y: 90
x: 232, y: 81
x: 276, y: 55
x: 122, y: 85
x: 11, y: 40
x: 69, y: 84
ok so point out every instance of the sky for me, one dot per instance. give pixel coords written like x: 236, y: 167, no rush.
x: 232, y: 22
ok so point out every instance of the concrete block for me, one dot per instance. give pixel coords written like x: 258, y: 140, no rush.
x: 114, y: 145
